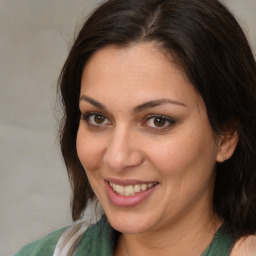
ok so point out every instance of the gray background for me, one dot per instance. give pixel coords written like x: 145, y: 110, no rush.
x: 34, y: 40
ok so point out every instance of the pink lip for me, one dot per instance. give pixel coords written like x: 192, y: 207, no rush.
x: 127, y: 201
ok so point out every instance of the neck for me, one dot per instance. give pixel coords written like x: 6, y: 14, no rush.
x: 185, y: 238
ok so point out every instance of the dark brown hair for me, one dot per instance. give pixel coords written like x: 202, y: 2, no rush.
x: 215, y: 54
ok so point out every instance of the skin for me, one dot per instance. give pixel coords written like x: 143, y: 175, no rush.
x: 126, y: 144
x: 245, y: 246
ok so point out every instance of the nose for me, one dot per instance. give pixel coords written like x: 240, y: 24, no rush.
x: 122, y: 150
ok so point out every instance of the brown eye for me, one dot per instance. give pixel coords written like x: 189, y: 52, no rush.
x: 159, y: 122
x: 98, y: 119
x: 95, y: 119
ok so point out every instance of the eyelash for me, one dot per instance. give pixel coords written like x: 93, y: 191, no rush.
x: 168, y: 121
x: 88, y: 115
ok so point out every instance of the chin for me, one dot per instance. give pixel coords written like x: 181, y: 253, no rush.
x: 128, y: 223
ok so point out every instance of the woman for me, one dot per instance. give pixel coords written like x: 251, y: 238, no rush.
x: 159, y: 126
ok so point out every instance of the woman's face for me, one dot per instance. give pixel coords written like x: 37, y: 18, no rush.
x: 145, y: 140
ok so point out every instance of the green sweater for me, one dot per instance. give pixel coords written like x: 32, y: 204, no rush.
x: 98, y: 241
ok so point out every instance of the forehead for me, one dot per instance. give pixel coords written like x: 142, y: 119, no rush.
x: 136, y: 59
x: 140, y: 71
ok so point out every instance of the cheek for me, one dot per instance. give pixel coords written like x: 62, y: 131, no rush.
x: 170, y: 155
x: 88, y: 150
x: 185, y: 165
x: 184, y: 154
x: 89, y: 154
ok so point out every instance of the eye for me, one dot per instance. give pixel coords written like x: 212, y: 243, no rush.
x: 95, y: 119
x: 158, y: 122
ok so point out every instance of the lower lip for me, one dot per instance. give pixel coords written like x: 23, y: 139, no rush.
x: 127, y: 201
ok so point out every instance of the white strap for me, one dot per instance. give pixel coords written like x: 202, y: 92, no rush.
x: 68, y: 238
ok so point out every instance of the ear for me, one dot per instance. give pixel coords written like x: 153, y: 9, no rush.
x: 227, y: 145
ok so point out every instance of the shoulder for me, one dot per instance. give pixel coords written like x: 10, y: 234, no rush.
x: 44, y: 246
x: 98, y: 239
x: 245, y: 247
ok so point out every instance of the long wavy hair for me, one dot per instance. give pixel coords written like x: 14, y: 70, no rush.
x: 212, y: 49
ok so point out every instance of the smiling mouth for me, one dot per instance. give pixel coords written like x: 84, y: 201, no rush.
x: 131, y: 190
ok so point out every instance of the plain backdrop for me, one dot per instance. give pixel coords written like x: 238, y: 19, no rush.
x: 35, y: 36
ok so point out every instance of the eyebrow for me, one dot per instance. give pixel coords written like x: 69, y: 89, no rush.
x: 155, y: 103
x: 93, y: 102
x: 137, y: 109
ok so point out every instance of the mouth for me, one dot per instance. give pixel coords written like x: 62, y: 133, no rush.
x: 131, y: 190
x: 129, y: 193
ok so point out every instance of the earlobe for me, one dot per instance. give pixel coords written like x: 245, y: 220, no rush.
x: 227, y: 146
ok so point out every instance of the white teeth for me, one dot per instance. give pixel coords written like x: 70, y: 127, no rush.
x: 137, y: 188
x: 143, y: 187
x: 130, y: 190
x: 121, y: 189
x: 150, y: 185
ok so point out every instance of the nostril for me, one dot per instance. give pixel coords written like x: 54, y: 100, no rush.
x: 121, y: 151
x: 120, y: 160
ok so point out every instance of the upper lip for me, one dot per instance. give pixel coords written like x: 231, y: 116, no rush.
x: 128, y: 182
